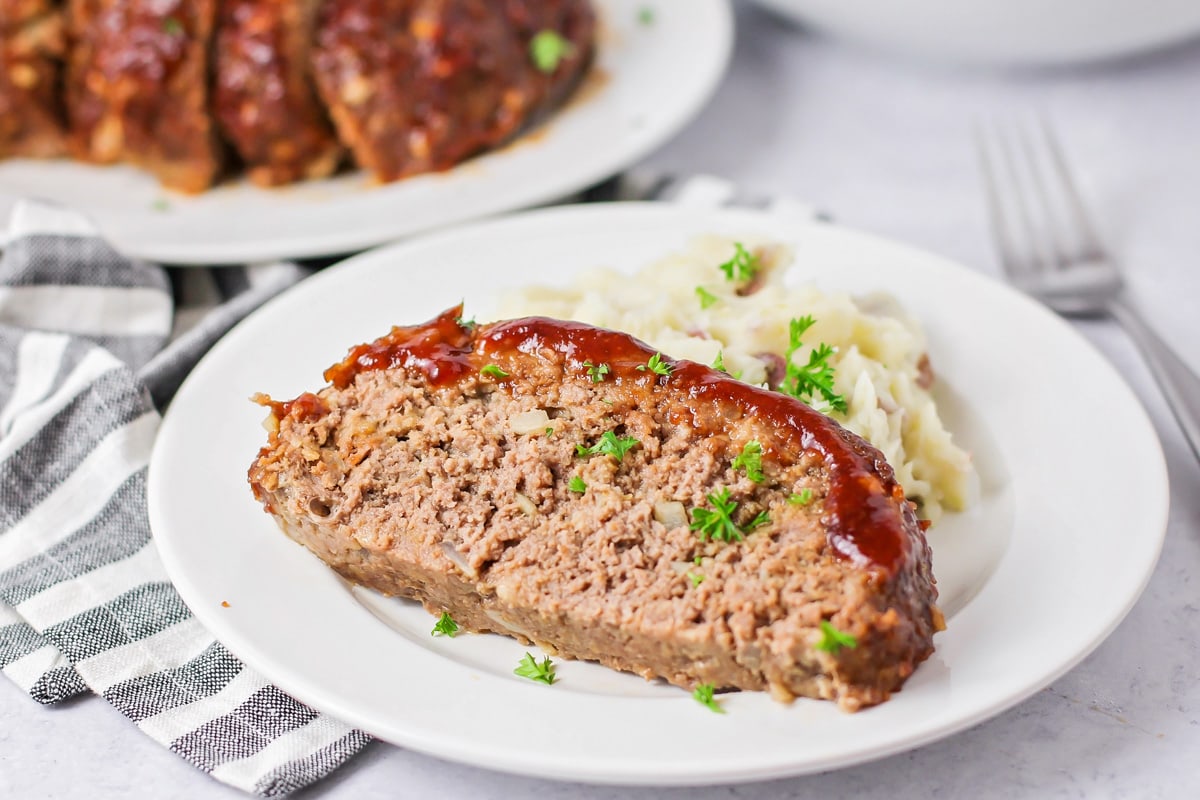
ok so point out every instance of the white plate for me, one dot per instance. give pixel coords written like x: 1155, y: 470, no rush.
x: 1068, y: 528
x: 649, y: 80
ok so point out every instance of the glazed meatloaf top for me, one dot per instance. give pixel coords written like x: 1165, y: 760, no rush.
x: 569, y: 486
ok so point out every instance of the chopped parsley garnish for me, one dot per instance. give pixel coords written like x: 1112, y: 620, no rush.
x: 656, y: 365
x: 596, y: 371
x: 549, y: 432
x: 707, y: 298
x: 160, y: 204
x: 750, y: 460
x: 719, y: 362
x: 444, y: 626
x: 703, y: 695
x: 645, y: 15
x: 742, y: 267
x: 801, y: 498
x: 695, y: 578
x: 815, y: 377
x: 530, y: 668
x: 610, y: 445
x: 172, y: 26
x: 465, y: 323
x: 547, y: 48
x: 697, y: 560
x: 718, y: 523
x: 833, y: 640
x: 494, y: 371
x: 577, y: 484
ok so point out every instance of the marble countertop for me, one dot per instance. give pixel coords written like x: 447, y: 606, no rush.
x: 884, y: 146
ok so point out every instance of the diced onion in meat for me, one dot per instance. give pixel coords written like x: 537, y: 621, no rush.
x: 459, y: 560
x: 526, y: 505
x: 534, y: 421
x: 671, y: 514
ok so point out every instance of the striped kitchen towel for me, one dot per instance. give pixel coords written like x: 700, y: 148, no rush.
x: 88, y: 343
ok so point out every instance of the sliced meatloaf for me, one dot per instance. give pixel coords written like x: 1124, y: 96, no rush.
x: 31, y: 49
x: 263, y: 92
x: 419, y: 85
x: 137, y: 87
x: 567, y: 486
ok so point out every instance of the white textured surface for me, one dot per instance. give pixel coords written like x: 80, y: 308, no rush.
x: 885, y: 147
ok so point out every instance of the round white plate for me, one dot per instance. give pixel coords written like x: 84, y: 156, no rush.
x: 1071, y: 516
x: 651, y: 77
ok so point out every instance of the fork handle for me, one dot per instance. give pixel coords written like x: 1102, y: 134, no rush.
x: 1178, y: 382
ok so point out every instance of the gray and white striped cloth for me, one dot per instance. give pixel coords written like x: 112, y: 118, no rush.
x: 86, y: 350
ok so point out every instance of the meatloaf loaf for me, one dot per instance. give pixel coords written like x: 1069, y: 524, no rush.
x: 567, y: 486
x: 31, y: 49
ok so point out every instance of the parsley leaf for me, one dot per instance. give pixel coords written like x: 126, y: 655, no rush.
x: 160, y: 204
x: 547, y: 48
x: 645, y: 15
x: 656, y: 365
x: 815, y: 377
x: 596, y: 371
x: 610, y: 445
x: 577, y: 484
x: 718, y: 523
x: 707, y: 298
x: 719, y: 362
x: 172, y: 26
x: 833, y: 640
x: 444, y: 626
x: 494, y: 371
x: 742, y: 266
x: 530, y: 668
x: 703, y: 695
x: 695, y: 578
x: 750, y: 460
x: 549, y: 432
x: 463, y: 322
x: 802, y: 498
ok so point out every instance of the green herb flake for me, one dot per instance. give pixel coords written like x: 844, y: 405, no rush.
x: 707, y: 298
x: 814, y: 378
x: 160, y: 204
x: 444, y: 626
x: 762, y: 518
x: 750, y: 460
x: 610, y: 445
x: 547, y: 49
x: 695, y: 578
x: 645, y: 15
x: 596, y: 371
x: 577, y: 485
x: 801, y: 498
x: 493, y: 371
x: 719, y: 362
x: 743, y: 266
x: 172, y: 26
x: 703, y: 695
x: 463, y: 322
x: 698, y: 560
x: 717, y: 523
x: 656, y: 365
x: 549, y: 432
x: 833, y: 640
x: 530, y: 668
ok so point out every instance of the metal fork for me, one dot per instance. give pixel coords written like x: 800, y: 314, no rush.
x: 1049, y: 248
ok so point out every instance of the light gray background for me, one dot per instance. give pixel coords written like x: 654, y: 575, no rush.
x: 885, y: 146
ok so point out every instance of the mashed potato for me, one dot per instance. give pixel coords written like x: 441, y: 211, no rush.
x: 685, y: 307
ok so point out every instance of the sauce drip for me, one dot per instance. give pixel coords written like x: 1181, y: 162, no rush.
x: 867, y: 518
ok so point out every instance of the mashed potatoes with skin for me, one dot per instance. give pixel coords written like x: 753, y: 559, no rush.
x: 685, y: 307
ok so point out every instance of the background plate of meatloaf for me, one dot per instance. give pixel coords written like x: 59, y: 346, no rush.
x: 655, y: 66
x: 1032, y: 578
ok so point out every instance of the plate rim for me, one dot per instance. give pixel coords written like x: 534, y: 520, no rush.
x: 543, y: 768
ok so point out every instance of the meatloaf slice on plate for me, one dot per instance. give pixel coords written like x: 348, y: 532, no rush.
x: 567, y: 486
x: 419, y: 85
x: 137, y: 87
x: 31, y: 48
x: 263, y: 92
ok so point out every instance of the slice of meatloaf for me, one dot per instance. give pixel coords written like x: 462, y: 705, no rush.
x: 419, y: 85
x: 31, y: 48
x: 440, y: 464
x: 137, y: 87
x: 263, y: 91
